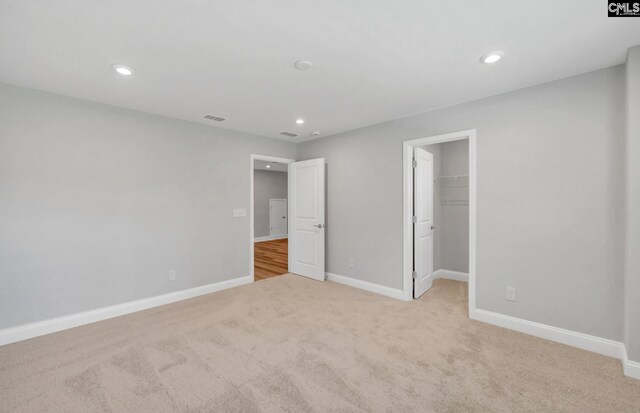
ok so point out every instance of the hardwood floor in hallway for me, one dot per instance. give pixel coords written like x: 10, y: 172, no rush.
x: 271, y: 258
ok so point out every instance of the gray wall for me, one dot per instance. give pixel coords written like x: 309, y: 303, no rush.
x: 98, y: 203
x: 550, y: 192
x: 632, y: 270
x: 266, y: 185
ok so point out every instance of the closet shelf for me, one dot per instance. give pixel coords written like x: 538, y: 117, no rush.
x: 453, y: 181
x: 461, y: 202
x: 453, y: 189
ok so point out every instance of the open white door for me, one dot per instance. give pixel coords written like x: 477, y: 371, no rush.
x: 422, y: 222
x: 306, y: 218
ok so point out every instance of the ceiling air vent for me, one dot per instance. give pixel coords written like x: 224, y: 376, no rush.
x: 216, y: 118
x: 289, y: 134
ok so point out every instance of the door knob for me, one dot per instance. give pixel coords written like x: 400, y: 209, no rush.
x: 319, y: 226
x: 433, y: 227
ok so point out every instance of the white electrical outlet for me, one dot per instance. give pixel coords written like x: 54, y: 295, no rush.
x: 351, y: 263
x: 172, y: 275
x: 511, y: 294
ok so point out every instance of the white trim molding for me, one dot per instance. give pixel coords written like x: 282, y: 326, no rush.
x: 53, y: 325
x: 407, y: 209
x: 630, y: 368
x: 451, y: 275
x: 365, y: 285
x: 606, y: 347
x: 269, y: 238
x: 587, y: 342
x: 252, y: 239
x: 582, y: 341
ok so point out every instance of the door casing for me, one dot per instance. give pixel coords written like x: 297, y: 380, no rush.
x: 252, y: 158
x: 407, y: 210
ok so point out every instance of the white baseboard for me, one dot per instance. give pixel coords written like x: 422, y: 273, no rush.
x: 364, y: 285
x: 582, y: 341
x: 631, y: 368
x: 587, y: 342
x: 451, y: 275
x: 40, y: 328
x: 595, y: 344
x: 269, y: 238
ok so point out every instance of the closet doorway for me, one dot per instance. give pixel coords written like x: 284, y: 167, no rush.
x: 439, y: 209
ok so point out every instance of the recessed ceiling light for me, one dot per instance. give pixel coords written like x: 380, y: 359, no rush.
x: 268, y: 166
x: 302, y: 65
x: 123, y: 70
x: 300, y: 121
x: 316, y: 133
x: 491, y: 57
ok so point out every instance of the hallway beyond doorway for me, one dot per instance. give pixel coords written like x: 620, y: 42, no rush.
x: 271, y: 258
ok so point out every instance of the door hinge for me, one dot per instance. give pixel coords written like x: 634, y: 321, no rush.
x: 414, y: 219
x: 414, y: 274
x: 414, y: 164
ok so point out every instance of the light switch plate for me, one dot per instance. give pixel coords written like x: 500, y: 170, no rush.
x: 239, y: 212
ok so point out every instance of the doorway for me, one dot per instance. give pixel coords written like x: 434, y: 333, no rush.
x: 287, y: 217
x: 439, y: 188
x: 269, y: 216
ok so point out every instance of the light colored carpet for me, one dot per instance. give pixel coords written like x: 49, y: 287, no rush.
x: 296, y: 345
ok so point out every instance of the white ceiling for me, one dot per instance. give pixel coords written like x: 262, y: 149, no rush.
x: 272, y: 166
x: 373, y: 60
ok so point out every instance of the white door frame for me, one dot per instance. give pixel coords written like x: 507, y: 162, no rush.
x: 286, y: 235
x: 267, y: 158
x: 407, y: 210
